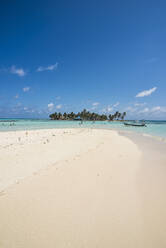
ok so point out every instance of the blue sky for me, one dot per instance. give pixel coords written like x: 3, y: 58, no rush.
x: 69, y: 55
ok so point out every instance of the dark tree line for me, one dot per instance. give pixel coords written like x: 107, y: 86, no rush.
x: 88, y: 116
x: 117, y: 116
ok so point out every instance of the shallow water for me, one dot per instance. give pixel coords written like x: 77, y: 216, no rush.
x: 154, y: 128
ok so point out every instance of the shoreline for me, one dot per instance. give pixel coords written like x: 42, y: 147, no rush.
x: 156, y: 129
x: 119, y: 130
x: 95, y: 188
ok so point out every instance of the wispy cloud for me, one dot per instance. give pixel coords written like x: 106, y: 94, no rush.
x: 59, y: 106
x: 110, y: 108
x: 153, y: 111
x: 158, y: 112
x: 47, y: 68
x: 131, y: 109
x: 18, y: 71
x: 29, y: 110
x: 146, y: 92
x: 139, y: 104
x: 107, y: 109
x: 116, y: 104
x: 143, y: 111
x: 157, y: 108
x: 26, y: 89
x: 95, y: 104
x: 50, y: 106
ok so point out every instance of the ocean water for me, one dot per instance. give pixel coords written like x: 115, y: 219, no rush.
x: 154, y: 128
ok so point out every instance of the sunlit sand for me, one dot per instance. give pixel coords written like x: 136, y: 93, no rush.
x: 80, y: 188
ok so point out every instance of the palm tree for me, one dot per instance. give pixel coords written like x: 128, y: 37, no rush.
x: 59, y: 116
x: 65, y: 115
x: 123, y: 115
x: 83, y: 114
x: 72, y: 115
x: 111, y: 117
x: 119, y: 115
x: 116, y: 114
x: 53, y: 116
x: 103, y: 117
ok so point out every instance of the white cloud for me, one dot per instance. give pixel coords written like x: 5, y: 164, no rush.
x: 145, y: 110
x: 29, y: 110
x: 156, y: 112
x: 131, y: 109
x: 116, y: 104
x: 108, y: 109
x: 157, y: 108
x: 26, y: 89
x: 146, y: 92
x: 59, y: 106
x: 19, y: 71
x: 50, y: 106
x: 139, y: 104
x: 95, y: 104
x: 47, y: 68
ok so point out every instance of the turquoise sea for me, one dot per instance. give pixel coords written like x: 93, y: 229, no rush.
x: 154, y: 128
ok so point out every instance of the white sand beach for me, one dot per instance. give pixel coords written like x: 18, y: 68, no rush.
x: 81, y: 188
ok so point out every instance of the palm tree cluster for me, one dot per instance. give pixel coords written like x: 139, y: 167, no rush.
x: 117, y: 116
x: 86, y: 115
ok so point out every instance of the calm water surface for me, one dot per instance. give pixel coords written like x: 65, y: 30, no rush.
x: 155, y: 128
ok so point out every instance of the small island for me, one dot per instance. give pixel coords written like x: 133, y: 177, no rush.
x: 86, y: 115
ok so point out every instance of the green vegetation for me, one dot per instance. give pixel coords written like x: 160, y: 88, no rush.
x: 117, y: 116
x: 88, y: 116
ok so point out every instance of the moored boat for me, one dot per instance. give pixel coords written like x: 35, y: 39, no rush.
x: 135, y: 124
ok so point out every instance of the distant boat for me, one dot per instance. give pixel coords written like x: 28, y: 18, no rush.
x: 135, y: 124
